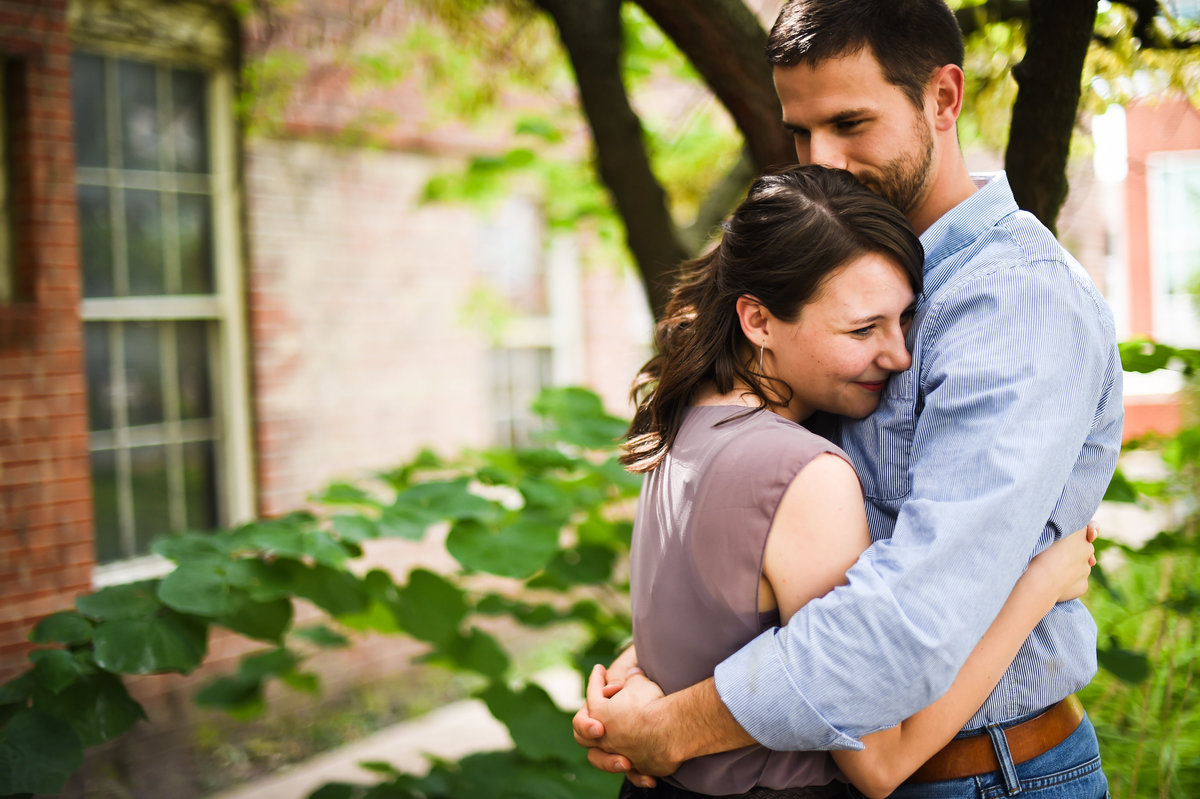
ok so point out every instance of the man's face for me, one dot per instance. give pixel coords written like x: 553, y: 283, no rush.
x: 844, y: 114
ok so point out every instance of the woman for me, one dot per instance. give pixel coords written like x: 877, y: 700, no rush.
x: 802, y: 308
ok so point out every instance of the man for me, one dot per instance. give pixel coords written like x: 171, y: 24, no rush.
x: 1001, y: 437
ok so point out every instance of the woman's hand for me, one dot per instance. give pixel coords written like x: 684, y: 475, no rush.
x: 1069, y: 562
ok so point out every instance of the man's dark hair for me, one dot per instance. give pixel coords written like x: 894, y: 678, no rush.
x: 911, y: 39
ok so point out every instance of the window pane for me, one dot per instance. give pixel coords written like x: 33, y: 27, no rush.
x: 104, y: 506
x: 151, y: 497
x: 199, y: 478
x: 144, y: 238
x: 195, y: 400
x: 95, y: 241
x: 139, y: 115
x: 189, y: 125
x: 87, y: 92
x: 195, y: 243
x: 143, y: 373
x: 99, y: 376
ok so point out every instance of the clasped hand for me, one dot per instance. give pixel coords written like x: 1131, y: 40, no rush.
x: 617, y: 725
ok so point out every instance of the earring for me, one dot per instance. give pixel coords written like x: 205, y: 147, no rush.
x: 761, y: 347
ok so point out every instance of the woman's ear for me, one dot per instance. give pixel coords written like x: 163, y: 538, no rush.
x: 754, y: 317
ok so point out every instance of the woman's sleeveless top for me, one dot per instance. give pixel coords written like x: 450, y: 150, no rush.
x: 697, y: 556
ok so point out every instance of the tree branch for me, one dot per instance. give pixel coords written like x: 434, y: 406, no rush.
x: 1043, y: 118
x: 726, y: 44
x: 719, y: 201
x: 591, y: 33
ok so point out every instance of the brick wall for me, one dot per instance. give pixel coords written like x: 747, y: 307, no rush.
x: 46, y: 553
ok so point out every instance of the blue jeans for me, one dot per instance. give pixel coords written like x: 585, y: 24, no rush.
x: 1070, y: 770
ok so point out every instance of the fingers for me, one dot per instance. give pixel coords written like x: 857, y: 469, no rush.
x: 1093, y: 531
x: 641, y: 780
x: 605, y: 761
x: 595, y: 686
x: 588, y: 731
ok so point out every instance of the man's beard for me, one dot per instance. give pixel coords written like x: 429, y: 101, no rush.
x: 903, y: 180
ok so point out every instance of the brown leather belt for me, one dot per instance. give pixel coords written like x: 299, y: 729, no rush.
x: 975, y: 754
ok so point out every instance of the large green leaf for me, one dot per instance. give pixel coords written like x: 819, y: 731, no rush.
x: 97, y: 705
x: 336, y: 591
x: 404, y: 521
x: 166, y: 641
x: 201, y: 588
x: 534, y: 721
x: 266, y: 621
x: 1130, y: 666
x: 514, y: 550
x: 37, y: 754
x: 192, y: 547
x: 262, y: 581
x: 130, y: 601
x: 291, y: 537
x: 355, y: 527
x: 587, y: 564
x: 476, y: 651
x: 448, y: 500
x: 579, y: 418
x: 66, y: 627
x: 429, y: 607
x: 323, y: 636
x: 55, y: 669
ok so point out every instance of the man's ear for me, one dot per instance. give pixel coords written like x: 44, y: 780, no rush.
x: 754, y: 317
x: 946, y: 96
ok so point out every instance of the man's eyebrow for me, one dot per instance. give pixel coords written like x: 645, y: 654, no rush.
x: 840, y: 116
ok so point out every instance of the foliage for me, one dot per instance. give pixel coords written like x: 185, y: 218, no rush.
x: 1143, y: 700
x: 538, y: 533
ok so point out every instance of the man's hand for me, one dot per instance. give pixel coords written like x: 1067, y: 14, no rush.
x: 618, y: 726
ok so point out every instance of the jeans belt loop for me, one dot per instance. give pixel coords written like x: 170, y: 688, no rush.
x: 1008, y: 769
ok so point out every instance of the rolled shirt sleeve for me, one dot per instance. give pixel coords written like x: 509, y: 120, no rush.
x: 1001, y: 438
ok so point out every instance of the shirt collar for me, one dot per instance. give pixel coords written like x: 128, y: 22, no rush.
x: 963, y: 224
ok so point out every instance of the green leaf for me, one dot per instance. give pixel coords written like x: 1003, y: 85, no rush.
x: 238, y: 696
x: 430, y: 608
x: 346, y: 494
x: 534, y: 722
x: 261, y: 581
x: 301, y: 681
x: 130, y: 601
x: 323, y: 636
x: 515, y: 550
x: 355, y: 528
x: 266, y: 621
x: 191, y: 547
x: 1120, y: 489
x: 405, y: 522
x: 18, y: 690
x: 476, y: 651
x: 200, y: 588
x: 66, y: 627
x: 97, y: 705
x: 579, y: 418
x: 338, y: 592
x: 291, y: 537
x: 448, y: 500
x: 166, y: 641
x: 38, y: 752
x: 55, y: 669
x: 584, y: 565
x: 543, y: 493
x: 1130, y: 666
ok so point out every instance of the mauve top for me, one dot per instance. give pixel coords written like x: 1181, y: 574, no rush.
x: 698, y: 544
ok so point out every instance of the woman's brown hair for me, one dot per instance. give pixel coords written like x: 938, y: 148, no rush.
x: 795, y: 227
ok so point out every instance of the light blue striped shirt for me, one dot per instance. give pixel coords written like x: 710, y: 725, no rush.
x: 1001, y: 438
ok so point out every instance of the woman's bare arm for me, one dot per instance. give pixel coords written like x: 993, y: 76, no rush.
x: 820, y: 529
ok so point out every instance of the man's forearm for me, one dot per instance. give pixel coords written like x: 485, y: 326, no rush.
x: 695, y: 722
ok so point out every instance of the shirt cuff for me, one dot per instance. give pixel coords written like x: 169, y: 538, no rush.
x: 754, y: 684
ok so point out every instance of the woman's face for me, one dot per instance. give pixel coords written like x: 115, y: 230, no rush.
x: 839, y: 352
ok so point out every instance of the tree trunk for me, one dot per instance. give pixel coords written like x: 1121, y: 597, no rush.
x: 591, y: 33
x: 727, y: 45
x: 1043, y: 117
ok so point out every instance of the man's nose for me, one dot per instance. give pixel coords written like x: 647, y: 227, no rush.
x: 825, y: 150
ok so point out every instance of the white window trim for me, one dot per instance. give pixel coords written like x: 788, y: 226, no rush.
x: 98, y: 28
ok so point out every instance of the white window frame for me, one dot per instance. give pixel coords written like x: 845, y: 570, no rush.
x: 1176, y: 320
x: 102, y: 29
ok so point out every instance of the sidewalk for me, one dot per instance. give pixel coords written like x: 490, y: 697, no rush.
x: 450, y: 732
